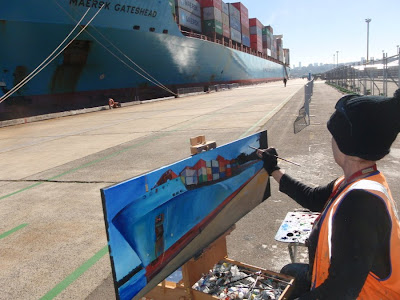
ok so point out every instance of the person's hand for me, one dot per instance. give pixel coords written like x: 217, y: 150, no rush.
x: 269, y: 157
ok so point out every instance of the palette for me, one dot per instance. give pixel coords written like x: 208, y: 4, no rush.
x: 296, y: 227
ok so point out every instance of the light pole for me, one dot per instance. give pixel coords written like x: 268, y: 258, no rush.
x: 367, y: 20
x: 397, y: 49
x: 337, y: 58
x: 334, y: 59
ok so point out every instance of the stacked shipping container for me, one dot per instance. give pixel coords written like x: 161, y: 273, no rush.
x: 189, y: 14
x: 230, y: 20
x: 212, y: 16
x: 279, y: 47
x: 244, y: 23
x: 234, y: 22
x: 207, y: 171
x: 256, y: 34
x: 286, y: 54
x: 267, y: 39
x: 225, y: 20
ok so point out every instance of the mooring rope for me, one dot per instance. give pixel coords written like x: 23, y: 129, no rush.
x: 41, y: 67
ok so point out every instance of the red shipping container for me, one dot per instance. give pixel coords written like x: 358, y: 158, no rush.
x: 226, y: 31
x: 255, y: 22
x: 256, y: 46
x: 243, y: 9
x: 211, y: 3
x: 254, y: 38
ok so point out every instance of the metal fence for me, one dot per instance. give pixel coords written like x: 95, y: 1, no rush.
x: 303, y: 119
x: 377, y: 77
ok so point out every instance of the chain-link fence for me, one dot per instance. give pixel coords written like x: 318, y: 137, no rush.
x: 377, y: 77
x: 303, y: 119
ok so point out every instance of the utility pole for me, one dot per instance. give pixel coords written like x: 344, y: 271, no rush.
x: 337, y: 58
x: 368, y: 20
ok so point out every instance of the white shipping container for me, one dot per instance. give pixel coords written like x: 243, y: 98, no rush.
x: 189, y: 20
x: 215, y: 163
x: 191, y: 6
x: 212, y: 13
x: 236, y: 35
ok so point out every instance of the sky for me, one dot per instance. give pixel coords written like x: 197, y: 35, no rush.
x: 314, y: 30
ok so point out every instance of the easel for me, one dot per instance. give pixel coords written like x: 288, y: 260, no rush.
x: 191, y: 272
x: 194, y: 269
x: 198, y: 144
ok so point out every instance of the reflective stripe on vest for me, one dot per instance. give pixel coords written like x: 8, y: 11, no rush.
x: 374, y: 287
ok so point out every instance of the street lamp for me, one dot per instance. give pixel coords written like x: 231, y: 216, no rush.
x: 334, y: 59
x: 398, y: 49
x: 337, y: 58
x: 367, y: 20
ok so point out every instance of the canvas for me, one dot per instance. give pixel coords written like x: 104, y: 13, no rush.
x: 157, y: 221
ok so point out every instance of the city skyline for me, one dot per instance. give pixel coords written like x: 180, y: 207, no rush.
x: 318, y: 31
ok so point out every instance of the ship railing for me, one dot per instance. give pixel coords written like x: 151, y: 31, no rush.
x: 231, y: 45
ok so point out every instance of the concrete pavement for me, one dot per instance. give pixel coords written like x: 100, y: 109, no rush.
x: 52, y: 233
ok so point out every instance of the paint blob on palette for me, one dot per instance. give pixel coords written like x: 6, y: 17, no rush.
x: 296, y: 227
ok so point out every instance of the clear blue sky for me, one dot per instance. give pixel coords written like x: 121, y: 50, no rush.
x: 314, y: 30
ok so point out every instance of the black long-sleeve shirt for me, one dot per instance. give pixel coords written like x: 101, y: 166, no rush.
x: 360, y: 238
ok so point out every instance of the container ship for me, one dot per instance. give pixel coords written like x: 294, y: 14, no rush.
x: 70, y: 54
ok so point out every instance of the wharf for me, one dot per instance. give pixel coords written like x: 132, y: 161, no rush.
x: 52, y: 233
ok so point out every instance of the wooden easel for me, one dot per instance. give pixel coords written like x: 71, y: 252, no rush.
x: 192, y: 271
x: 203, y: 262
x: 199, y: 144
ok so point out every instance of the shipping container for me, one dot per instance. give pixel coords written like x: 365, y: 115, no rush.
x: 211, y: 3
x: 256, y: 46
x: 191, y: 6
x: 256, y: 30
x: 236, y: 35
x: 256, y: 39
x: 189, y: 20
x: 212, y: 13
x: 226, y: 31
x: 234, y: 18
x: 256, y: 23
x: 225, y: 19
x: 246, y: 40
x: 244, y: 13
x: 245, y: 30
x: 225, y: 8
x: 286, y: 52
x: 211, y: 26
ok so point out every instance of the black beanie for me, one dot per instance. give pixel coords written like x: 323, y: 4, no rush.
x: 366, y: 126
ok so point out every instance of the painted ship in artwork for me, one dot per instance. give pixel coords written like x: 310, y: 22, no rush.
x: 157, y: 221
x: 179, y: 198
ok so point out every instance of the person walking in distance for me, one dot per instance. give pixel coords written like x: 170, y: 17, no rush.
x: 284, y: 81
x: 354, y: 246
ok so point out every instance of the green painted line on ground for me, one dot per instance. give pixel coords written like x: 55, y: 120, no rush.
x: 5, y: 234
x: 75, y: 275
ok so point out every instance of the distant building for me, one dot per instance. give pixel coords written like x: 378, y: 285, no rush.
x: 315, y: 64
x: 299, y: 64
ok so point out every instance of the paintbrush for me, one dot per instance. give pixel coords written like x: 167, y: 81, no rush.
x: 296, y: 164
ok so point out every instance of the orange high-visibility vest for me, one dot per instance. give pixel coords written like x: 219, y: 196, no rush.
x: 374, y: 287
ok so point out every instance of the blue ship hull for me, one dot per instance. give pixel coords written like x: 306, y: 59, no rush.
x: 98, y: 64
